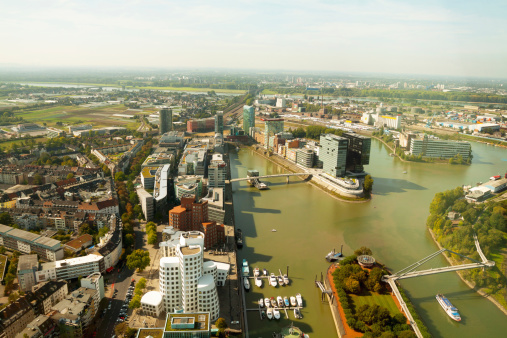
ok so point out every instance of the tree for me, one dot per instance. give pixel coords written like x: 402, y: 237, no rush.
x: 119, y: 176
x: 363, y: 251
x: 120, y: 329
x: 352, y: 285
x: 220, y: 323
x: 37, y: 179
x: 70, y: 175
x: 5, y: 218
x: 138, y: 259
x: 368, y: 185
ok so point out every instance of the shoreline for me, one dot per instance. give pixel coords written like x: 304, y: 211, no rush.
x: 314, y: 184
x: 468, y: 283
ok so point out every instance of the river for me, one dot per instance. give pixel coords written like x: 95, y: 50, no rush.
x: 310, y: 223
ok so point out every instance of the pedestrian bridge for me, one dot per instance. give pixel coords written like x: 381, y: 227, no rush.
x: 268, y: 176
x: 409, y: 272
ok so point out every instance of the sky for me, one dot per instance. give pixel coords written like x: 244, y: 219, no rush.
x: 460, y: 38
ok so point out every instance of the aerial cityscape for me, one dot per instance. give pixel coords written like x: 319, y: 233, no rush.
x: 238, y: 169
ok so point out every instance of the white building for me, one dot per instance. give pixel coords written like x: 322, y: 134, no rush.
x: 188, y: 283
x: 217, y: 171
x: 280, y: 102
x: 152, y: 304
x: 147, y: 203
x: 71, y: 268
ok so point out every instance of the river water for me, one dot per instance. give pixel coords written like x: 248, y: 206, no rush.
x: 310, y: 223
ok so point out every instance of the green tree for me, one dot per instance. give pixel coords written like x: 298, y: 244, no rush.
x: 220, y: 323
x: 368, y: 185
x: 138, y: 259
x: 135, y: 303
x: 70, y: 175
x: 37, y: 179
x: 119, y: 176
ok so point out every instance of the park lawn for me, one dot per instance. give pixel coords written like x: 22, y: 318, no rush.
x: 99, y: 116
x: 8, y: 144
x: 370, y: 298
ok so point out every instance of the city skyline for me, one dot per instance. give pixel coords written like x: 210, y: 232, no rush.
x: 434, y: 38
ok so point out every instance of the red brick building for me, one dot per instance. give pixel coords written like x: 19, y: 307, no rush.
x: 193, y: 216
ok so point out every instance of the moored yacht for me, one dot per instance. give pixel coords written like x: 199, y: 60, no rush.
x: 272, y: 280
x: 258, y: 282
x: 280, y: 301
x: 299, y: 299
x: 276, y: 314
x: 293, y: 301
x: 270, y: 313
x: 246, y: 283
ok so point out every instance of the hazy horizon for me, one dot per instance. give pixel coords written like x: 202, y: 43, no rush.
x: 440, y: 38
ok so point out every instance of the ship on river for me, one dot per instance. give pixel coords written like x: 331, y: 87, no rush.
x: 448, y: 307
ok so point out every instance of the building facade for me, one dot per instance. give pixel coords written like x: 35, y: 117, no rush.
x: 248, y: 118
x: 217, y: 171
x: 165, y: 120
x: 219, y: 122
x: 440, y: 148
x: 358, y: 152
x: 333, y: 154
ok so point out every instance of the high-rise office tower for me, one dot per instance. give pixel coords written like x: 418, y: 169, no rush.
x: 248, y: 118
x: 165, y: 120
x: 358, y: 153
x: 219, y: 122
x: 333, y: 154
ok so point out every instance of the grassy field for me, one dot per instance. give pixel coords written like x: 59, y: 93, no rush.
x: 8, y: 144
x: 371, y: 298
x: 3, y: 261
x: 98, y: 116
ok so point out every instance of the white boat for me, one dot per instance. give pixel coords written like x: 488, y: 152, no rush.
x: 280, y: 280
x: 273, y: 230
x: 270, y: 313
x: 265, y: 272
x: 272, y: 280
x: 273, y: 302
x: 246, y: 283
x: 256, y: 272
x: 258, y: 282
x: 299, y: 300
x: 286, y: 279
x: 276, y: 313
x: 261, y: 302
x: 279, y: 300
x: 297, y: 313
x: 293, y: 301
x: 448, y: 307
x: 266, y: 302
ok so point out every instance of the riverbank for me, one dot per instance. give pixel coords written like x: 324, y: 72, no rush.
x: 468, y: 283
x: 292, y: 168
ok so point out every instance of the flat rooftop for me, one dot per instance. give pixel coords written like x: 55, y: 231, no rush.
x: 155, y: 333
x: 80, y: 241
x: 189, y: 250
x: 201, y: 321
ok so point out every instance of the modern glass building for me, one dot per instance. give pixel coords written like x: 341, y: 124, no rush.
x: 358, y: 154
x: 271, y: 128
x: 333, y: 154
x: 248, y: 118
x: 165, y: 123
x: 219, y: 122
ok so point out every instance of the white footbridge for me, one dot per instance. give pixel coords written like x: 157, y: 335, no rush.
x: 410, y: 272
x: 267, y: 176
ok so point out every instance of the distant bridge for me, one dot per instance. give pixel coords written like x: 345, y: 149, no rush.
x: 409, y: 272
x: 268, y: 176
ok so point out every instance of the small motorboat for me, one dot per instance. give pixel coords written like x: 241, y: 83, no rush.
x: 280, y: 280
x: 246, y: 283
x: 258, y: 282
x: 266, y: 302
x: 280, y: 301
x: 256, y: 272
x: 286, y: 301
x: 273, y: 302
x: 272, y: 280
x: 276, y: 314
x: 293, y: 301
x: 265, y: 272
x: 285, y: 279
x: 297, y: 313
x: 273, y: 230
x: 270, y: 313
x: 299, y: 299
x: 261, y: 302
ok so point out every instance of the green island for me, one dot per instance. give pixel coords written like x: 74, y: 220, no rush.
x: 453, y: 222
x: 367, y: 302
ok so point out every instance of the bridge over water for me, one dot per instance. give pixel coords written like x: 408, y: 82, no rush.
x: 269, y: 176
x: 409, y: 272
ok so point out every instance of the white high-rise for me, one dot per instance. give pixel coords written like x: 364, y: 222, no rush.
x: 186, y: 282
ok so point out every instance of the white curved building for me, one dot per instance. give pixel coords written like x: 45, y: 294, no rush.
x: 186, y: 281
x: 152, y: 304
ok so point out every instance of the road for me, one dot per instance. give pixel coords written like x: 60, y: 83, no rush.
x: 121, y: 282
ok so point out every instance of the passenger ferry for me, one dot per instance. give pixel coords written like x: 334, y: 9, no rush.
x: 448, y: 307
